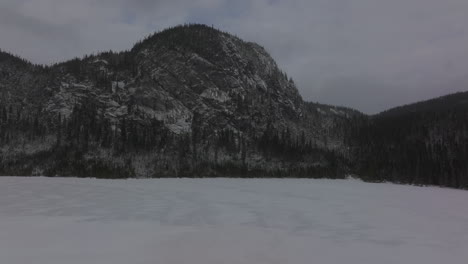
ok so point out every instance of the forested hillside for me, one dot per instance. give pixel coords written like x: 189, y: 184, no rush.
x: 422, y: 143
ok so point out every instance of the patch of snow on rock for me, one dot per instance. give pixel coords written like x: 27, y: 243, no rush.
x: 215, y: 94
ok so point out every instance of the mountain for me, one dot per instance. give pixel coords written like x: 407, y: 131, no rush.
x: 193, y: 101
x: 187, y: 101
x: 421, y: 143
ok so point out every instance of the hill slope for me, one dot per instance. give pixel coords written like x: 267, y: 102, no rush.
x: 421, y: 143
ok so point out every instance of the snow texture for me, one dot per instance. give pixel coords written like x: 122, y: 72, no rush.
x: 211, y: 221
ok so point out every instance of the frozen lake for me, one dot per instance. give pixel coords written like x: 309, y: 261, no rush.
x: 213, y: 221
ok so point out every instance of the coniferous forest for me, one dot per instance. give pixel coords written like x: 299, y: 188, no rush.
x: 423, y: 143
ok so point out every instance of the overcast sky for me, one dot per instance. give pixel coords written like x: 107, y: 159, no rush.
x: 366, y: 54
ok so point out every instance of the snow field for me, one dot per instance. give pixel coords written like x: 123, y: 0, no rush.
x: 212, y: 221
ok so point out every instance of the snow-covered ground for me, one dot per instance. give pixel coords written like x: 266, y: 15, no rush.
x: 213, y: 221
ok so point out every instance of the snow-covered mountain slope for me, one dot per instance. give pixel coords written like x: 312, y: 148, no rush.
x: 187, y: 100
x: 211, y: 221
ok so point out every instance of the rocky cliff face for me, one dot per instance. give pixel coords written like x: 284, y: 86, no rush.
x: 189, y: 101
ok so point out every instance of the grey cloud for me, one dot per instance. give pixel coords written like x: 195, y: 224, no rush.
x: 368, y: 54
x: 11, y: 18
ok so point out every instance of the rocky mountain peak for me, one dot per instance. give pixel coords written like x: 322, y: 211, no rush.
x: 212, y: 48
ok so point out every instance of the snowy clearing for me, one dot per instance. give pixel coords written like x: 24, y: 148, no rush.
x: 213, y: 221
